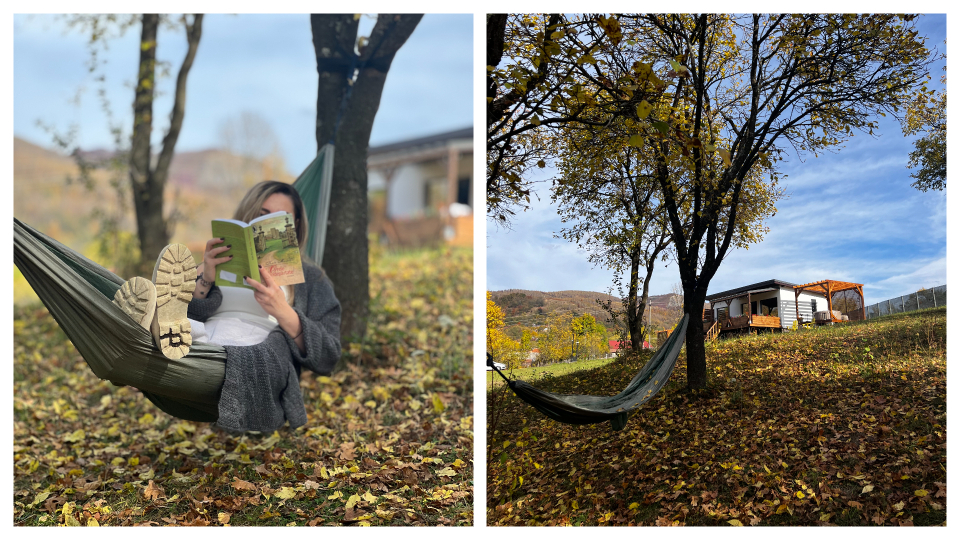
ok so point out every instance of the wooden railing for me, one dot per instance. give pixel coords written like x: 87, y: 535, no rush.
x: 713, y: 331
x: 743, y: 321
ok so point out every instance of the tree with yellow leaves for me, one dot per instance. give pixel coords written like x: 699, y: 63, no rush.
x: 499, y: 344
x: 927, y: 114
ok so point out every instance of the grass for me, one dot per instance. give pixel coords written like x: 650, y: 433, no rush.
x: 841, y: 425
x: 553, y: 370
x: 388, y: 441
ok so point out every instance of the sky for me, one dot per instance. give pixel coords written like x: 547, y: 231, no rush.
x: 258, y: 63
x: 850, y: 215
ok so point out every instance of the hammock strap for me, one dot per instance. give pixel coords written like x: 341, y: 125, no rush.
x: 492, y: 364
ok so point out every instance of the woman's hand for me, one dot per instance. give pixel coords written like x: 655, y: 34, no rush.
x: 268, y: 294
x: 207, y: 271
x: 271, y: 298
x: 208, y: 268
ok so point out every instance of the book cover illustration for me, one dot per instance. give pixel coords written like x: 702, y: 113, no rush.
x: 275, y: 241
x: 270, y: 241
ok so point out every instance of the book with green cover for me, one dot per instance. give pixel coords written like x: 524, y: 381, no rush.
x: 269, y: 241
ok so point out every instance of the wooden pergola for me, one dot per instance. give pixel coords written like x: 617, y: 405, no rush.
x: 829, y: 287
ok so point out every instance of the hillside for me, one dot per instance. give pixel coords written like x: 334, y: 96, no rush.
x: 529, y: 308
x: 203, y: 185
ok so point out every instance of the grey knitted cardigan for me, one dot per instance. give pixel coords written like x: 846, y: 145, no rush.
x: 261, y: 387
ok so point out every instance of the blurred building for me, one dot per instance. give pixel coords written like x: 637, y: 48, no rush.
x: 421, y: 190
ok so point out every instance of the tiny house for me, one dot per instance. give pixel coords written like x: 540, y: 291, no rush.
x: 776, y: 304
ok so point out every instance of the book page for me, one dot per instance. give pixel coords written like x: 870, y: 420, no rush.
x: 234, y: 221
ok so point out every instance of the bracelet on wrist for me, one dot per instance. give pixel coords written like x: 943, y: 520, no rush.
x: 204, y: 282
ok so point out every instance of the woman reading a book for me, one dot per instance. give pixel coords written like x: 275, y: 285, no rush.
x: 270, y: 332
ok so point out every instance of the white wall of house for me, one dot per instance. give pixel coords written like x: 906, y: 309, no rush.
x: 408, y: 184
x: 805, y: 301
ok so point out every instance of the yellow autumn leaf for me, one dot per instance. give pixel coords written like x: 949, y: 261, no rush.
x: 146, y: 419
x: 633, y: 506
x: 921, y: 493
x: 735, y: 523
x: 353, y: 500
x: 336, y: 495
x: 725, y: 155
x: 92, y: 522
x: 224, y: 517
x: 636, y: 141
x: 369, y: 497
x: 438, y: 406
x: 76, y: 436
x: 40, y: 498
x: 286, y: 493
x: 867, y: 489
x: 643, y: 109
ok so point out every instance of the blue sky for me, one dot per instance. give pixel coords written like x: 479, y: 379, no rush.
x: 850, y: 215
x: 258, y: 63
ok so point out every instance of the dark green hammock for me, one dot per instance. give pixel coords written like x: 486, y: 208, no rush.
x: 580, y: 409
x: 79, y: 295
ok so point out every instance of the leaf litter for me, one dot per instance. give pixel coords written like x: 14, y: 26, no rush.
x: 388, y: 440
x: 842, y: 425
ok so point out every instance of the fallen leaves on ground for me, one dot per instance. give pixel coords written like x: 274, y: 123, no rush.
x: 389, y: 439
x: 842, y: 425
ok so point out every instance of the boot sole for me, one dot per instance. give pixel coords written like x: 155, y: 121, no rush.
x: 137, y: 298
x: 175, y: 279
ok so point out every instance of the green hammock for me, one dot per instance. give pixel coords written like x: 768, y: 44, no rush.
x: 580, y: 409
x: 79, y: 295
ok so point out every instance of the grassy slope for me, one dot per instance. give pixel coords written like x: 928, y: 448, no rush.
x: 553, y: 370
x: 388, y: 441
x: 840, y: 425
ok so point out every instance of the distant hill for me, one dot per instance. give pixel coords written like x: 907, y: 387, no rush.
x: 530, y: 308
x: 202, y: 185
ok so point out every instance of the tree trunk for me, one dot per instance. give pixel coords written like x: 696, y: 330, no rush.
x: 151, y: 229
x: 634, y: 312
x: 346, y: 254
x: 148, y: 183
x: 696, y: 353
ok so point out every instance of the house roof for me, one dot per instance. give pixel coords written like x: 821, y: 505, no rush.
x: 422, y: 142
x: 733, y: 293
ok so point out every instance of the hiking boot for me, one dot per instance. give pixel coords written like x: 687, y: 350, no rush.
x: 137, y: 298
x: 175, y: 278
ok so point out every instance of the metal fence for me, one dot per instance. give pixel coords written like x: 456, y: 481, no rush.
x: 926, y: 298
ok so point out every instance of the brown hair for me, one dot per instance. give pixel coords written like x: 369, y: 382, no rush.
x: 249, y: 208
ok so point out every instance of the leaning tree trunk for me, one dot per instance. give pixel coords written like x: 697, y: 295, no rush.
x: 346, y: 253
